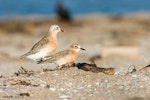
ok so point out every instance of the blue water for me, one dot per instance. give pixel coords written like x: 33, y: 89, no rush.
x: 47, y: 7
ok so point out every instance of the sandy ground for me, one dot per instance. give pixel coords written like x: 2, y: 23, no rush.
x: 97, y: 34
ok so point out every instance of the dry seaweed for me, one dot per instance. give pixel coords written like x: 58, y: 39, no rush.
x: 24, y: 94
x: 66, y: 66
x: 1, y: 75
x: 86, y: 67
x: 93, y: 68
x: 145, y: 67
x: 25, y: 83
x: 24, y: 72
x: 21, y: 82
x: 46, y: 69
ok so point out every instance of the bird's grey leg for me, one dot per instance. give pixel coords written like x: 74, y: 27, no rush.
x: 68, y: 65
x: 58, y: 66
x: 71, y: 64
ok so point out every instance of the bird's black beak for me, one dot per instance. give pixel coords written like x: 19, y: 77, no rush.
x: 62, y: 30
x: 82, y: 48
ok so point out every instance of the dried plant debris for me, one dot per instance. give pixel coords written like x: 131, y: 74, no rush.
x: 86, y: 67
x: 66, y: 66
x: 21, y: 82
x: 132, y: 69
x: 23, y: 71
x: 24, y: 83
x: 1, y: 76
x: 24, y: 94
x: 46, y: 69
x: 147, y: 66
x: 95, y: 69
x: 48, y: 86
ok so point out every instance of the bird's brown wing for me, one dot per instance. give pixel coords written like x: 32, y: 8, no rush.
x: 37, y: 46
x: 53, y: 57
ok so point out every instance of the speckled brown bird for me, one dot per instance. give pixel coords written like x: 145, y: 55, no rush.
x: 45, y: 46
x: 63, y: 57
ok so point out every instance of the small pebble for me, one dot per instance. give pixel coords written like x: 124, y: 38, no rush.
x: 64, y: 96
x: 52, y: 89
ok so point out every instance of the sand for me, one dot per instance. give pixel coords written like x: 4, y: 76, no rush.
x: 127, y: 36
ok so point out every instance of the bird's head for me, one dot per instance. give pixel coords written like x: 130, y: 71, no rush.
x: 76, y: 47
x: 55, y: 29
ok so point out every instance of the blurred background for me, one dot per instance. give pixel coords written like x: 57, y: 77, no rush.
x: 114, y: 33
x: 77, y: 7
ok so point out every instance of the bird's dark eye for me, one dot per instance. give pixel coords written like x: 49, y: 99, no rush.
x: 76, y: 46
x: 57, y: 28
